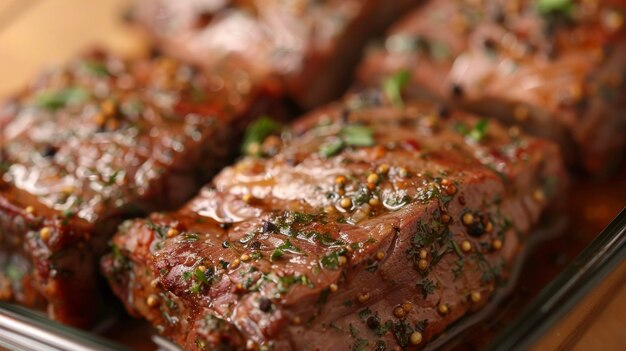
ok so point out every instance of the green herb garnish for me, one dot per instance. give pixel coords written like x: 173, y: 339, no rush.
x: 393, y: 85
x: 257, y: 132
x: 95, y: 68
x: 360, y: 345
x: 160, y: 230
x: 202, y: 276
x: 332, y: 148
x: 330, y: 261
x: 327, y: 240
x: 555, y: 7
x: 479, y: 131
x: 120, y: 261
x: 357, y: 135
x: 354, y: 135
x: 4, y: 166
x: 14, y: 272
x: 112, y: 178
x: 54, y: 100
x: 284, y: 283
x: 456, y: 248
x: 427, y: 287
x: 283, y: 248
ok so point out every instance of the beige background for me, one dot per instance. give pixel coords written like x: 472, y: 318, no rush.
x: 38, y: 33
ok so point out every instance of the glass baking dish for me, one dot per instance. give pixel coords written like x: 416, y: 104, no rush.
x: 553, y: 320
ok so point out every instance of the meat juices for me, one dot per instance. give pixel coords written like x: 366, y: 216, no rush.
x: 311, y: 45
x: 366, y: 226
x: 101, y: 140
x: 558, y: 70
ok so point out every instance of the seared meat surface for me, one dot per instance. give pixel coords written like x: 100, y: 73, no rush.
x: 364, y: 227
x: 311, y: 45
x: 88, y: 145
x: 557, y: 68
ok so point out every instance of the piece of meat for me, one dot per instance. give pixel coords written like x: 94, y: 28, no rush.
x: 98, y: 141
x: 561, y: 74
x: 311, y: 45
x: 365, y: 227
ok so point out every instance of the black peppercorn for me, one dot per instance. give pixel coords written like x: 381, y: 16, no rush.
x: 265, y: 304
x: 443, y: 111
x: 372, y: 323
x: 49, y: 151
x: 268, y: 227
x: 457, y: 90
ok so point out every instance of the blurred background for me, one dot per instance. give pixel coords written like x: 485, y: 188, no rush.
x: 35, y: 34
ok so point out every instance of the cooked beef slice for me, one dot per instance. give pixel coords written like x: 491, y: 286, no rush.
x: 364, y: 227
x: 559, y: 70
x: 100, y: 140
x: 311, y: 45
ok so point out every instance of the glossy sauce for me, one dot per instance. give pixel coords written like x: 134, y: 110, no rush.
x: 591, y: 206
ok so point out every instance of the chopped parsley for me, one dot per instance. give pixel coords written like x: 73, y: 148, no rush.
x: 456, y: 248
x: 283, y: 248
x: 477, y: 133
x: 120, y: 261
x: 160, y: 230
x: 330, y: 261
x: 327, y: 240
x: 360, y: 345
x: 112, y: 178
x: 353, y: 135
x: 356, y: 135
x: 14, y: 272
x: 332, y: 148
x: 427, y: 287
x: 4, y: 166
x: 363, y: 314
x: 56, y: 99
x: 284, y: 283
x: 258, y: 131
x: 555, y: 7
x: 201, y: 279
x: 393, y: 85
x: 402, y: 331
x: 95, y: 68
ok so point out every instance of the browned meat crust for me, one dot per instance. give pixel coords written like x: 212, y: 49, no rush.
x: 98, y: 141
x: 561, y: 73
x: 366, y: 228
x: 311, y: 45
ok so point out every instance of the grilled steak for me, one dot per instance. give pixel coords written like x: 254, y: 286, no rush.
x: 364, y: 227
x: 96, y: 142
x: 311, y: 45
x: 557, y: 69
